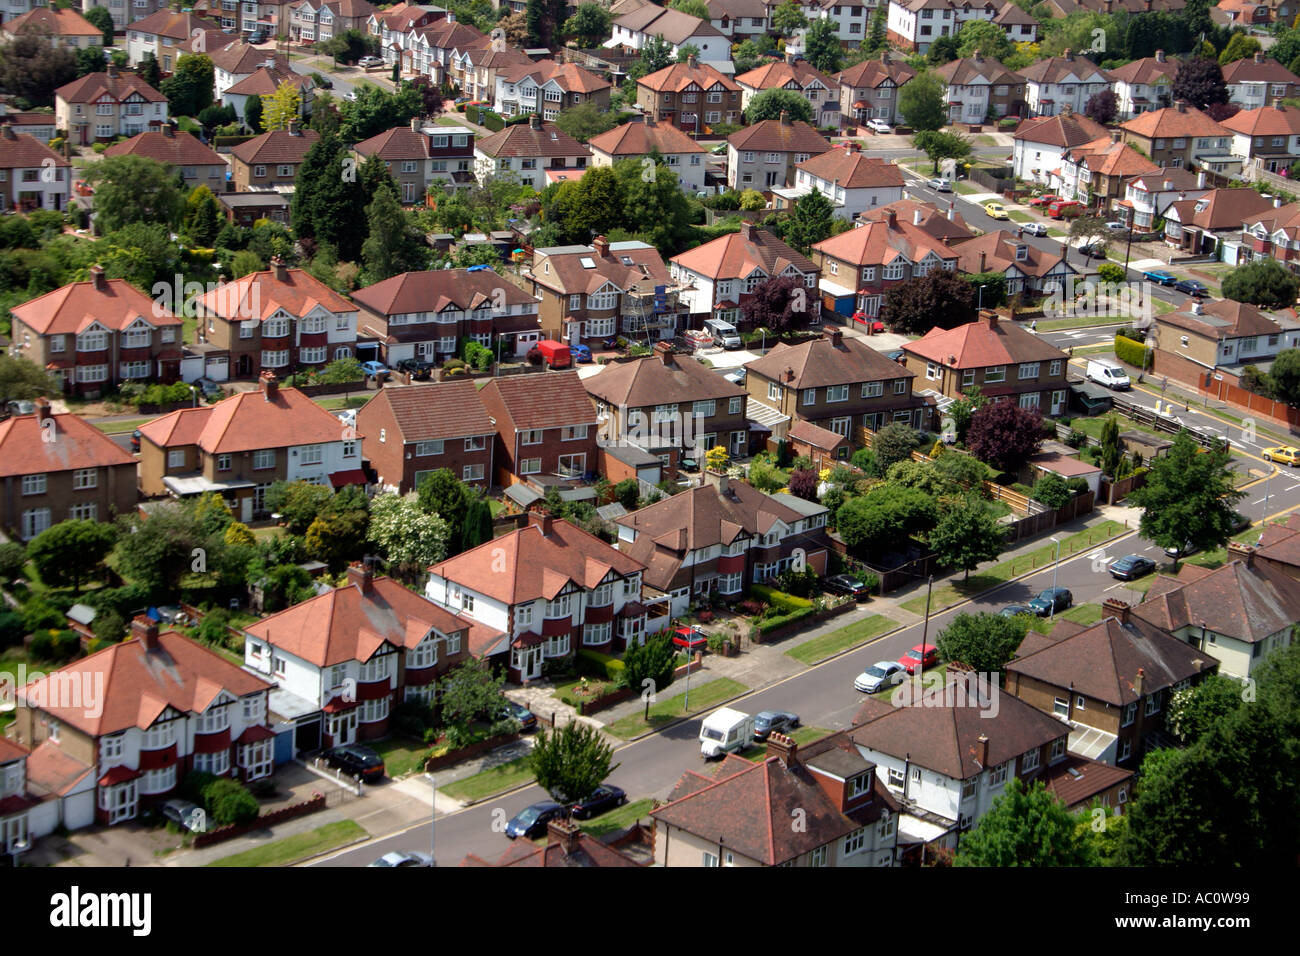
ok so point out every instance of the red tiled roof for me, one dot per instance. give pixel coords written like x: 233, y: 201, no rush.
x: 264, y: 81
x: 738, y: 255
x: 63, y: 23
x: 1173, y: 122
x: 430, y: 412
x: 1066, y: 129
x: 777, y: 74
x: 881, y: 242
x: 177, y: 26
x: 1076, y: 780
x: 682, y: 76
x: 654, y: 381
x: 638, y: 139
x: 438, y: 290
x: 77, y: 305
x: 853, y: 169
x: 781, y: 137
x: 980, y: 344
x: 51, y: 770
x: 872, y: 73
x: 25, y: 448
x: 570, y: 273
x: 246, y: 422
x: 543, y: 401
x: 259, y: 295
x: 180, y: 149
x: 27, y: 152
x: 820, y: 362
x: 522, y: 140
x: 276, y: 146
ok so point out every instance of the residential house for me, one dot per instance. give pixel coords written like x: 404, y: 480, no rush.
x: 979, y: 87
x: 719, y: 278
x: 476, y: 68
x: 740, y: 20
x: 1266, y: 138
x: 568, y: 846
x: 721, y: 537
x: 27, y: 811
x: 546, y: 88
x: 1007, y: 363
x: 414, y: 431
x: 852, y: 19
x: 633, y: 31
x: 164, y: 33
x: 103, y: 106
x: 536, y: 154
x: 1053, y: 83
x: 122, y: 11
x: 63, y: 27
x: 1259, y: 80
x: 913, y: 25
x: 1111, y: 682
x: 945, y: 225
x: 263, y: 83
x: 1145, y: 84
x: 853, y: 181
x: 678, y: 94
x: 167, y: 707
x: 671, y: 406
x: 198, y: 165
x: 1182, y: 136
x: 1028, y: 268
x: 546, y: 429
x: 1063, y: 8
x: 820, y: 445
x: 836, y: 383
x: 271, y: 160
x: 1277, y: 547
x: 59, y: 468
x: 860, y: 265
x: 798, y: 75
x: 1272, y: 234
x: 763, y: 156
x: 32, y: 176
x: 423, y: 315
x: 341, y: 661
x: 92, y: 336
x: 432, y: 50
x: 541, y: 592
x: 392, y: 26
x: 38, y: 125
x: 592, y: 293
x: 1198, y: 226
x: 245, y: 209
x: 421, y: 158
x: 238, y: 61
x: 313, y: 21
x: 869, y: 90
x: 1222, y: 334
x: 738, y: 813
x: 636, y: 140
x: 243, y: 444
x: 1038, y: 144
x: 1146, y: 197
x: 1097, y: 173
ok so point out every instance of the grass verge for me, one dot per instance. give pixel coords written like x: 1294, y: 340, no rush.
x: 1085, y: 614
x: 120, y: 427
x: 292, y: 849
x: 501, y: 777
x: 703, y: 697
x: 828, y: 645
x: 804, y: 735
x: 402, y: 755
x: 618, y: 819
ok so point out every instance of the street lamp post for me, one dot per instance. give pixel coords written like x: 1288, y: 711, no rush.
x: 1051, y: 614
x: 981, y: 300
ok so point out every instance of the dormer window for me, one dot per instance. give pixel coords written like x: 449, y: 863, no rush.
x: 859, y: 785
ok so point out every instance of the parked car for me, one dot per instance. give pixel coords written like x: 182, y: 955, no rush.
x: 604, y: 797
x: 1117, y: 226
x: 940, y: 185
x: 768, y: 722
x: 1064, y: 209
x: 1045, y: 200
x: 527, y: 719
x: 926, y: 655
x: 580, y: 353
x: 873, y: 325
x: 1191, y: 287
x: 736, y: 376
x: 880, y: 675
x: 186, y: 815
x: 1239, y: 522
x: 1051, y: 600
x: 1160, y: 276
x: 366, y: 62
x: 1011, y: 610
x: 845, y: 584
x: 1131, y: 566
x: 416, y: 368
x: 531, y: 821
x: 1283, y: 454
x: 690, y: 637
x: 357, y: 760
x: 257, y: 36
x: 1108, y: 372
x: 348, y: 416
x: 375, y: 369
x: 1035, y: 228
x: 404, y: 858
x: 878, y: 126
x: 996, y: 210
x: 209, y: 389
x: 1094, y: 250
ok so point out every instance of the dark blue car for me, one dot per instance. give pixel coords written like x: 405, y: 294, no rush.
x: 531, y: 821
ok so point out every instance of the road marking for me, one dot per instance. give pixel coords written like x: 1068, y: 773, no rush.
x: 1121, y: 584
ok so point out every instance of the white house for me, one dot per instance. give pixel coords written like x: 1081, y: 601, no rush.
x: 678, y: 151
x: 1145, y: 84
x: 853, y: 181
x: 1038, y: 144
x: 535, y: 153
x: 633, y: 31
x: 1058, y: 83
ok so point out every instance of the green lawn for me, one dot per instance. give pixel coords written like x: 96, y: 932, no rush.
x: 617, y: 819
x: 504, y: 776
x: 966, y: 188
x: 402, y: 755
x: 1018, y: 216
x: 296, y: 848
x: 1056, y: 233
x: 950, y: 594
x: 338, y: 402
x: 1092, y: 428
x: 828, y: 645
x: 1081, y: 613
x: 117, y: 428
x: 703, y: 697
x: 802, y: 736
x: 496, y: 506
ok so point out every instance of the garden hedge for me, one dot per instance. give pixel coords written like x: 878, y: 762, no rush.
x: 1132, y: 353
x: 785, y: 603
x: 595, y: 664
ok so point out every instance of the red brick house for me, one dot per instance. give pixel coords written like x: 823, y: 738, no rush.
x: 546, y: 428
x: 822, y: 445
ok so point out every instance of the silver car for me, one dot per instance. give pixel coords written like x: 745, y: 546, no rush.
x: 405, y: 858
x: 880, y: 675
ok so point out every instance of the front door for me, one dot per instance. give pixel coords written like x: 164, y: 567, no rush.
x: 121, y: 802
x: 532, y: 663
x: 12, y: 832
x: 737, y: 443
x: 1058, y: 403
x: 343, y: 728
x: 247, y: 509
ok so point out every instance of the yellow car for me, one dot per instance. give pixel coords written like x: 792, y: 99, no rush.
x: 1284, y: 454
x: 996, y: 210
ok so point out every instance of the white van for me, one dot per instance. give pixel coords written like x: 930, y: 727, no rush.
x: 724, y: 333
x: 1108, y: 373
x: 725, y: 731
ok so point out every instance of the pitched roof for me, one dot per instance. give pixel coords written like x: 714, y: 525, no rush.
x: 978, y: 70
x: 638, y: 139
x: 1103, y: 661
x: 882, y: 241
x: 657, y: 380
x: 1173, y: 121
x: 1248, y: 600
x: 1223, y: 318
x: 63, y: 23
x: 266, y: 80
x: 672, y: 25
x: 1057, y: 69
x: 944, y: 224
x: 805, y: 431
x: 246, y: 422
x: 872, y: 73
x: 1145, y: 71
x: 77, y: 305
x: 179, y: 149
x: 93, y: 86
x: 1285, y: 218
x: 432, y: 412
x: 346, y: 624
x: 821, y: 362
x: 777, y: 74
x: 1076, y: 780
x: 1280, y: 541
x: 240, y: 58
x: 1108, y: 158
x: 1167, y: 179
x: 982, y: 343
x: 400, y: 142
x: 1265, y: 121
x: 139, y: 684
x: 526, y: 564
x: 681, y: 76
x: 51, y: 770
x: 259, y: 295
x: 26, y: 450
x: 437, y: 290
x: 543, y: 401
x: 569, y: 77
x: 631, y: 265
x: 276, y: 146
x: 739, y: 255
x: 1064, y: 129
x: 1257, y: 69
x: 523, y: 139
x: 168, y: 23
x: 853, y: 169
x: 999, y: 248
x: 780, y: 137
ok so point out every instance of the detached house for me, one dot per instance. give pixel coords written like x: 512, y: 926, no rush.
x: 58, y: 468
x: 1147, y: 196
x: 1028, y: 268
x: 689, y: 96
x: 634, y: 140
x: 1040, y: 143
x: 1268, y: 137
x: 1259, y: 80
x: 721, y: 538
x: 1204, y: 338
x: 798, y: 75
x: 167, y: 706
x: 271, y: 161
x: 198, y: 164
x: 540, y: 593
x: 238, y: 61
x: 853, y: 181
x: 102, y: 106
x: 633, y: 31
x: 763, y: 156
x: 422, y: 157
x: 535, y: 154
x: 64, y: 28
x: 1059, y: 82
x: 242, y: 445
x: 546, y: 429
x: 343, y: 660
x: 1182, y: 136
x: 835, y: 383
x: 32, y: 176
x: 1145, y: 84
x: 166, y: 34
x: 1007, y: 362
x: 414, y: 431
x: 546, y: 88
x: 1199, y: 225
x: 1097, y: 173
x: 869, y: 90
x: 94, y: 335
x: 979, y: 87
x: 263, y: 83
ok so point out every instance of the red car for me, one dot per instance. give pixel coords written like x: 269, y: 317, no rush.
x: 874, y: 325
x: 1044, y: 200
x: 691, y: 638
x: 927, y: 655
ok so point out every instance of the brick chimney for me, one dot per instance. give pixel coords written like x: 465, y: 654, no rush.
x: 785, y: 117
x: 983, y: 258
x: 1067, y: 56
x: 534, y: 121
x: 97, y: 280
x: 1160, y: 56
x: 789, y: 374
x: 564, y: 833
x: 1116, y: 608
x: 748, y: 230
x: 665, y: 352
x: 9, y: 131
x: 601, y: 245
x: 976, y: 57
x: 989, y: 318
x: 1181, y: 106
x: 268, y: 385
x: 832, y: 334
x: 692, y: 61
x: 1242, y: 552
x: 111, y: 71
x: 984, y: 750
x: 783, y: 748
x: 893, y: 219
x: 542, y: 520
x: 293, y: 128
x: 1259, y: 57
x: 169, y: 130
x: 362, y: 575
x: 145, y: 630
x: 42, y: 408
x: 280, y: 269
x: 1139, y: 681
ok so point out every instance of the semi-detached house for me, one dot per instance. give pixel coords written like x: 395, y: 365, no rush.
x: 853, y: 182
x: 101, y: 106
x: 764, y: 156
x: 638, y: 140
x: 421, y: 158
x: 546, y: 429
x: 869, y: 90
x: 799, y: 76
x: 1059, y: 83
x: 689, y: 96
x: 978, y: 86
x: 534, y: 154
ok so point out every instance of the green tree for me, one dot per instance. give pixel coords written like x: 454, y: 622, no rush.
x: 967, y: 535
x: 469, y: 693
x: 590, y: 25
x: 156, y: 552
x: 1199, y: 81
x: 32, y: 68
x: 90, y: 59
x: 656, y: 54
x: 1194, y: 710
x: 337, y: 538
x: 652, y: 661
x: 1263, y: 282
x: 70, y: 552
x: 963, y: 410
x: 1283, y: 377
x: 1027, y: 827
x: 585, y: 120
x: 342, y: 370
x: 100, y: 17
x: 237, y: 533
x: 12, y: 558
x: 938, y: 299
x: 694, y: 8
x: 143, y: 253
x: 283, y: 107
x: 894, y: 442
x: 813, y: 221
x: 942, y: 50
x: 253, y: 114
x: 984, y: 641
x: 203, y: 217
x: 476, y: 525
x: 788, y: 19
x: 655, y: 207
x: 940, y: 145
x: 822, y: 46
x: 409, y: 537
x: 108, y: 625
x: 298, y: 503
x: 328, y: 203
x: 921, y: 103
x: 770, y: 104
x: 394, y: 244
x: 134, y: 189
x: 1005, y: 435
x: 375, y: 110
x: 1189, y: 496
x: 442, y: 493
x: 1112, y: 451
x: 1052, y: 491
x: 571, y: 761
x: 1238, y: 48
x: 984, y: 37
x: 190, y: 87
x: 878, y: 40
x: 22, y: 379
x: 884, y: 516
